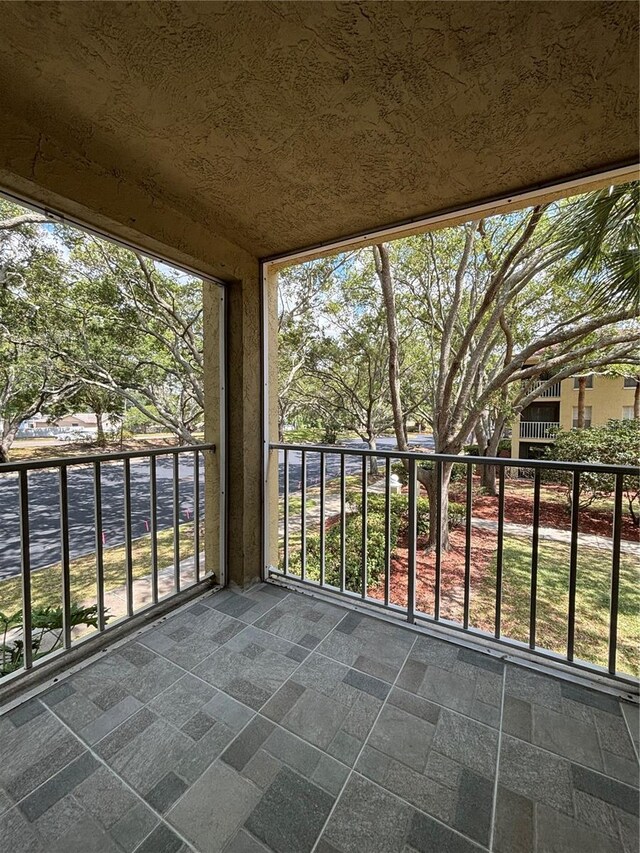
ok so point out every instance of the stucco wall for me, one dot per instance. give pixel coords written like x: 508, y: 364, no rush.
x: 606, y: 398
x: 284, y: 124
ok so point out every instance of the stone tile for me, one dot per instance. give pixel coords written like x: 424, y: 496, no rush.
x: 161, y: 840
x: 616, y: 793
x: 292, y: 751
x: 136, y: 654
x: 366, y: 818
x: 182, y: 700
x: 517, y: 718
x: 372, y: 686
x: 283, y: 701
x: 247, y: 743
x: 165, y: 792
x: 465, y: 681
x: 25, y: 713
x: 514, y: 823
x: 536, y: 774
x: 214, y: 808
x: 571, y: 738
x: 110, y: 720
x: 330, y: 775
x: 242, y: 842
x: 301, y: 620
x: 231, y: 603
x: 125, y: 733
x: 32, y: 753
x: 474, y: 807
x: 133, y: 826
x: 84, y: 836
x: 252, y: 682
x: 370, y: 645
x: 593, y: 698
x: 56, y: 694
x: 233, y: 714
x: 557, y: 833
x: 425, y: 835
x: 414, y: 705
x: 468, y: 742
x: 631, y: 714
x: 332, y: 713
x: 197, y: 727
x: 533, y: 687
x: 17, y: 834
x: 105, y: 797
x: 291, y: 813
x: 403, y: 737
x: 58, y: 786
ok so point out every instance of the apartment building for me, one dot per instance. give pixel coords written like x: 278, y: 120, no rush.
x: 606, y: 398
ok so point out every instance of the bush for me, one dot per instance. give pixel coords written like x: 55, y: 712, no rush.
x: 375, y: 539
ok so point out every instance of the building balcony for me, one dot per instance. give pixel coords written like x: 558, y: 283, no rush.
x: 307, y: 716
x: 551, y: 391
x: 541, y: 430
x: 273, y: 721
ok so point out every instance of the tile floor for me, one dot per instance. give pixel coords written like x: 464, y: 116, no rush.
x: 270, y: 721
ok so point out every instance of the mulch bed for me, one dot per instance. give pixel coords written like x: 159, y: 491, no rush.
x: 518, y: 508
x: 483, y: 543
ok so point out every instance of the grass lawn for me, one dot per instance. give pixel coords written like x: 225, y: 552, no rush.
x: 592, y: 601
x: 46, y: 583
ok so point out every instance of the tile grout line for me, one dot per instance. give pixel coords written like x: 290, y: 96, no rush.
x: 494, y: 805
x: 634, y: 745
x: 334, y: 660
x: 361, y: 750
x: 138, y: 796
x: 77, y: 736
x: 257, y: 713
x: 415, y: 808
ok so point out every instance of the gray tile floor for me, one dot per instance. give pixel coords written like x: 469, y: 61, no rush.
x: 270, y: 721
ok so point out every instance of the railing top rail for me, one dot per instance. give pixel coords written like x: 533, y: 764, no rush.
x: 66, y: 461
x: 499, y: 461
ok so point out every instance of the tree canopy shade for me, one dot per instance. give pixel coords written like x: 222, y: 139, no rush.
x: 482, y: 318
x: 86, y: 323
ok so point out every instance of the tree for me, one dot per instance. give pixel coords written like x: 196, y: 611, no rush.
x: 137, y: 332
x: 582, y: 387
x: 615, y: 443
x: 500, y: 310
x: 32, y: 377
x: 101, y: 403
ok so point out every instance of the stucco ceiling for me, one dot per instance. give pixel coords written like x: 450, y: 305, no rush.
x: 289, y: 124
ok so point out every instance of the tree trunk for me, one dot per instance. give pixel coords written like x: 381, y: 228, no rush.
x: 100, y: 437
x: 373, y: 460
x: 636, y: 401
x: 383, y: 269
x: 6, y: 440
x: 582, y: 385
x: 4, y: 452
x: 428, y: 479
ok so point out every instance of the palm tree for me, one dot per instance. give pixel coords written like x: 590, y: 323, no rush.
x: 600, y: 232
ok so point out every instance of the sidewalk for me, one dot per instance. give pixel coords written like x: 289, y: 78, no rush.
x: 521, y: 531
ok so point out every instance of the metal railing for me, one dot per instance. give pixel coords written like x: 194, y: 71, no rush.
x: 97, y: 465
x: 333, y: 463
x: 538, y: 429
x: 551, y: 391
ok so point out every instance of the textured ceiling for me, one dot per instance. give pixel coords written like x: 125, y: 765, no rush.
x: 288, y: 124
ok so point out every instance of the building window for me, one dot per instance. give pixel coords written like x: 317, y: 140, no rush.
x: 627, y: 413
x: 588, y: 383
x: 587, y: 416
x: 630, y: 381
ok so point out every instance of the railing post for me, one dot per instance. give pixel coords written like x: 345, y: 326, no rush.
x: 97, y: 510
x: 65, y: 555
x: 573, y: 565
x: 411, y: 568
x: 615, y: 573
x: 25, y: 553
x: 438, y: 555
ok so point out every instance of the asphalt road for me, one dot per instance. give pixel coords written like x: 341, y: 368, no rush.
x: 353, y: 464
x: 44, y: 506
x: 44, y: 509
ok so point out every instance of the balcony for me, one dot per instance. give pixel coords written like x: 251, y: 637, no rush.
x: 544, y: 430
x: 275, y: 721
x: 551, y: 391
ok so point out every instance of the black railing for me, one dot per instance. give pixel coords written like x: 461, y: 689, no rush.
x: 127, y: 529
x: 304, y: 468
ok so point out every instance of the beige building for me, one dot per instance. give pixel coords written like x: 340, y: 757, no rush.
x: 606, y: 398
